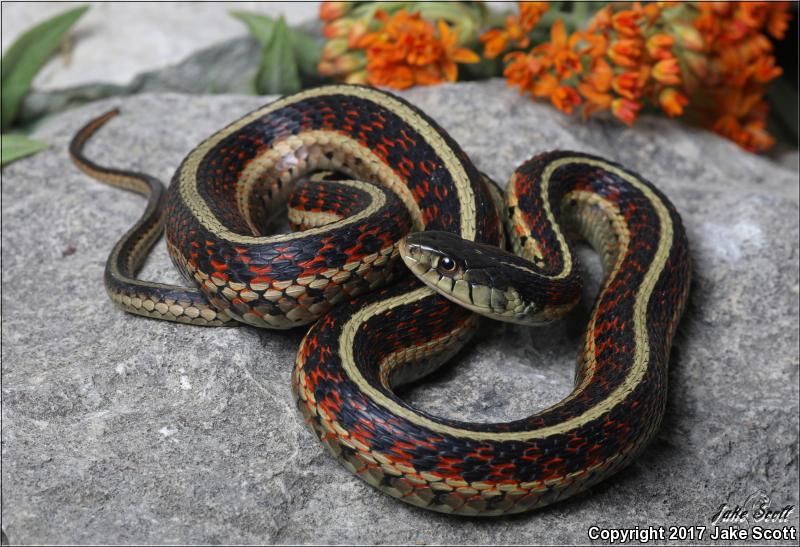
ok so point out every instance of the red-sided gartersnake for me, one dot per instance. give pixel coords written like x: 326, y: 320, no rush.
x: 368, y: 337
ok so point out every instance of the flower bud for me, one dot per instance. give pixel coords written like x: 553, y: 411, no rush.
x: 659, y: 46
x: 326, y: 68
x: 625, y: 110
x: 328, y: 11
x: 360, y: 77
x: 667, y: 72
x: 764, y: 69
x: 627, y: 85
x: 625, y: 52
x: 350, y: 62
x: 357, y: 31
x: 626, y: 23
x: 338, y: 28
x: 672, y: 101
x: 334, y: 48
x: 565, y: 99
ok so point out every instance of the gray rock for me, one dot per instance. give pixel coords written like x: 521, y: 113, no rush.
x: 120, y: 429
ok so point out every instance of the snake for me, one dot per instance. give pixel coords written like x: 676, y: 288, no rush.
x: 377, y: 189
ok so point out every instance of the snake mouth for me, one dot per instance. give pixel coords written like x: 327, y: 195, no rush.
x: 424, y: 253
x: 414, y: 256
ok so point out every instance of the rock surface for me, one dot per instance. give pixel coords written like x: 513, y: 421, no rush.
x: 119, y: 429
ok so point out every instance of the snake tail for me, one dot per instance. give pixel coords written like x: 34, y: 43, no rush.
x: 155, y: 300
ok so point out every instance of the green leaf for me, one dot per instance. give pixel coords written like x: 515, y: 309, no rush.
x: 305, y: 49
x: 260, y: 26
x: 307, y: 52
x: 27, y: 55
x: 14, y: 147
x: 278, y: 72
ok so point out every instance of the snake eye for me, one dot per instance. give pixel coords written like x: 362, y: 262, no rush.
x: 446, y: 265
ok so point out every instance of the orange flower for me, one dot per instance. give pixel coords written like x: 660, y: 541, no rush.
x: 627, y: 85
x: 521, y: 69
x: 595, y: 88
x: 667, y: 72
x: 751, y: 14
x: 602, y: 20
x: 601, y: 75
x: 328, y: 11
x: 407, y: 51
x: 626, y: 110
x: 347, y: 64
x: 596, y: 101
x: 452, y: 54
x: 764, y: 69
x: 544, y: 86
x: 342, y: 65
x: 659, y: 46
x: 752, y: 136
x: 742, y: 117
x: 652, y: 11
x: 735, y: 64
x: 708, y: 59
x: 496, y: 40
x: 626, y: 23
x: 516, y: 30
x: 707, y: 24
x: 334, y: 48
x: 326, y: 68
x: 337, y: 28
x: 625, y: 52
x: 754, y: 46
x: 596, y: 44
x: 594, y: 95
x: 778, y: 20
x: 757, y: 137
x: 530, y: 13
x: 400, y: 77
x: 559, y: 51
x: 357, y: 31
x: 740, y: 102
x: 361, y: 77
x: 672, y: 101
x: 565, y: 98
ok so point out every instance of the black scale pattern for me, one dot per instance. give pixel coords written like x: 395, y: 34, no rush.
x: 555, y: 455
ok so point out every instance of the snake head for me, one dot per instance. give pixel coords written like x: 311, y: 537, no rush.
x: 480, y: 277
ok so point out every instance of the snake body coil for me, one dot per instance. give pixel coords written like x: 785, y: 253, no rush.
x: 363, y: 344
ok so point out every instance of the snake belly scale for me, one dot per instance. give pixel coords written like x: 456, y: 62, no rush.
x: 374, y: 328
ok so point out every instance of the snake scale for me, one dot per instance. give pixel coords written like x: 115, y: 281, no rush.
x: 399, y: 187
